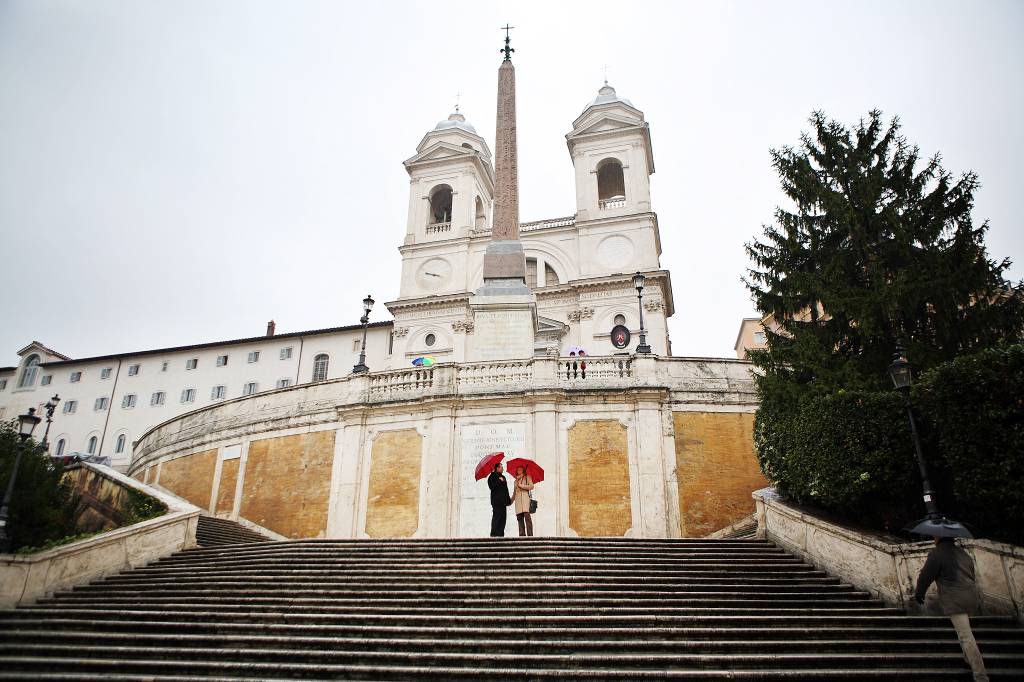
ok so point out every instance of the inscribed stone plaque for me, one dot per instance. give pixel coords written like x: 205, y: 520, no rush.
x: 503, y: 334
x: 475, y: 496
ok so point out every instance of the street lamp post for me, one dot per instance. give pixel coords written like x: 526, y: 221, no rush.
x: 360, y: 367
x: 638, y: 282
x: 26, y: 424
x: 934, y: 523
x: 50, y: 407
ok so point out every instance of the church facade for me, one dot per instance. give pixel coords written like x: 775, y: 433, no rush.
x: 633, y: 441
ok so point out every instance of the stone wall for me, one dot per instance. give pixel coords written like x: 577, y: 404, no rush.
x: 599, y: 497
x: 191, y: 477
x: 287, y: 484
x: 393, y: 495
x: 716, y: 469
x: 225, y: 505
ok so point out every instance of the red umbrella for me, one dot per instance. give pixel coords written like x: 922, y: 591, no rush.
x: 486, y: 464
x: 533, y: 469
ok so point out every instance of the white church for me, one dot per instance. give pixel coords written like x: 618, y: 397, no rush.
x: 278, y: 432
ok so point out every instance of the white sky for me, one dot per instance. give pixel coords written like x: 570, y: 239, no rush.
x: 180, y: 172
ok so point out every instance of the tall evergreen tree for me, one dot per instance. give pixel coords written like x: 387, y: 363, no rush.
x: 874, y: 250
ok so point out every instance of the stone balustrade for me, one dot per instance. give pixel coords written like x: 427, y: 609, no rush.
x: 437, y: 228
x: 615, y: 202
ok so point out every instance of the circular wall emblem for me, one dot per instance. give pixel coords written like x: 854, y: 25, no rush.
x: 615, y: 251
x: 620, y: 336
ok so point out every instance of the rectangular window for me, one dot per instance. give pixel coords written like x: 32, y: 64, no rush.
x: 105, y: 372
x: 250, y: 388
x: 76, y: 377
x: 70, y: 406
x: 128, y: 401
x: 355, y: 344
x: 133, y: 370
x: 3, y: 384
x: 254, y: 356
x: 158, y: 398
x: 218, y: 393
x: 222, y: 360
x: 188, y: 395
x: 758, y: 337
x: 284, y: 383
x: 286, y: 353
x: 163, y: 366
x: 101, y: 404
x: 391, y: 343
x: 45, y: 381
x: 191, y: 363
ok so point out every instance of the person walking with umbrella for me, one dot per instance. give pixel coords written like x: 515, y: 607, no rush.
x: 951, y: 568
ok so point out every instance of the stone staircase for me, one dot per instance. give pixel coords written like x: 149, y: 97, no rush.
x: 503, y: 608
x: 214, y: 532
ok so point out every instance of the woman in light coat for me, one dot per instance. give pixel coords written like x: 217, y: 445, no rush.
x: 521, y: 497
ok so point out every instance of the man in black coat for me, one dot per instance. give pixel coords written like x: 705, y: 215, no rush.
x: 500, y: 500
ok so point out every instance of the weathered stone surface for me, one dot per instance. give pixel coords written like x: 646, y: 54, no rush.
x: 599, y: 502
x: 393, y: 499
x: 190, y: 477
x: 226, y: 489
x: 287, y: 484
x: 506, y: 164
x: 716, y: 469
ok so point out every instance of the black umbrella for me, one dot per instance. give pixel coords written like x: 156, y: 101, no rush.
x: 939, y: 527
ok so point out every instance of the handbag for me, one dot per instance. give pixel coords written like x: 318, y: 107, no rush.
x: 533, y: 502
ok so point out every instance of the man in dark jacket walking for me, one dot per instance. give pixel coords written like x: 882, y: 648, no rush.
x: 951, y: 568
x: 500, y: 500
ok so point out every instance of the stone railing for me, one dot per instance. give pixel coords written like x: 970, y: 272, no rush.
x: 437, y: 228
x: 598, y: 370
x: 720, y: 382
x: 885, y: 566
x: 387, y: 386
x: 615, y: 202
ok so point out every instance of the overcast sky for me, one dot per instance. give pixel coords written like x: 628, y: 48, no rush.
x: 180, y: 172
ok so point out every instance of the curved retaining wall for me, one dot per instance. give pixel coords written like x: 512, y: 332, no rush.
x: 646, y: 447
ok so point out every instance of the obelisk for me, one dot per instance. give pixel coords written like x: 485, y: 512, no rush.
x: 504, y: 308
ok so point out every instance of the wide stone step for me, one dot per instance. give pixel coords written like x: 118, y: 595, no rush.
x: 71, y: 638
x: 337, y: 662
x: 534, y: 559
x: 111, y: 671
x: 990, y: 629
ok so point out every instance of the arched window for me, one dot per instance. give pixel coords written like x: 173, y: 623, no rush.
x: 320, y: 364
x: 91, y: 447
x: 481, y: 215
x: 60, y: 447
x: 550, y: 276
x: 440, y: 205
x: 611, y: 185
x: 28, y: 373
x: 119, y: 447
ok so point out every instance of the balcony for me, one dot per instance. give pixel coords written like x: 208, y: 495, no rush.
x: 439, y: 228
x: 611, y: 202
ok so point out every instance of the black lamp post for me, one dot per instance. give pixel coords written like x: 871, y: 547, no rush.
x: 934, y: 523
x: 50, y: 407
x: 26, y: 424
x: 638, y: 282
x: 360, y: 367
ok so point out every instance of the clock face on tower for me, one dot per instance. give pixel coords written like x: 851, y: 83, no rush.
x: 433, y: 274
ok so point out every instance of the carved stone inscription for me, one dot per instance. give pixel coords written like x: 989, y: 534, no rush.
x: 475, y: 498
x: 503, y: 334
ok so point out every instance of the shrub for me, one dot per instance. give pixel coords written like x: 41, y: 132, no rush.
x: 973, y: 408
x: 43, y: 506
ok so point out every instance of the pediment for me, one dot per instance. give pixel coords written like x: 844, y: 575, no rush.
x: 441, y: 150
x: 550, y: 326
x: 48, y: 353
x: 604, y: 123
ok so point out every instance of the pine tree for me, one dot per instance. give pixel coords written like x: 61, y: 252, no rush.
x: 874, y: 251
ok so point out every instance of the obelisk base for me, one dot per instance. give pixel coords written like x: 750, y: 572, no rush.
x: 504, y: 326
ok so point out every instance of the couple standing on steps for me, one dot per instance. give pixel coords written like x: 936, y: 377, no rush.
x: 501, y: 500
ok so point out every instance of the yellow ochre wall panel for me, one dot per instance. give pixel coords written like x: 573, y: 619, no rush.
x: 190, y: 477
x: 227, y: 485
x: 716, y: 469
x: 287, y: 484
x: 599, y: 502
x: 393, y: 498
